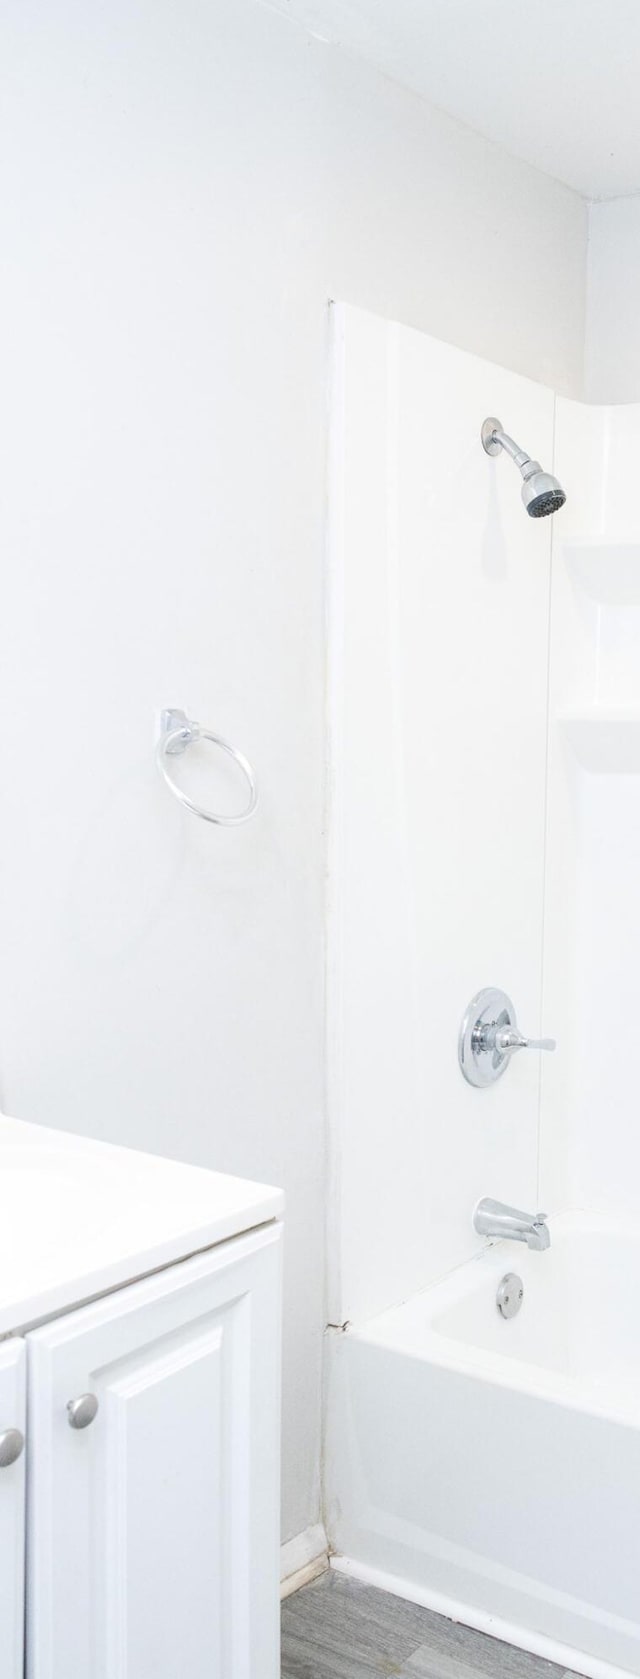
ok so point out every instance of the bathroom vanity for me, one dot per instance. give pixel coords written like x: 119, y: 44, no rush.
x: 139, y: 1415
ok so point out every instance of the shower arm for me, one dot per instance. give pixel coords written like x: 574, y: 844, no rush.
x: 506, y: 442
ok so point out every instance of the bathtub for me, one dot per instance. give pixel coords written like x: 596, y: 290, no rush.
x: 490, y: 1468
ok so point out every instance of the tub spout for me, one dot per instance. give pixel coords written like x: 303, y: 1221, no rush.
x: 492, y: 1218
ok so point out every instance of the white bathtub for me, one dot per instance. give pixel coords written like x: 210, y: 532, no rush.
x: 490, y: 1468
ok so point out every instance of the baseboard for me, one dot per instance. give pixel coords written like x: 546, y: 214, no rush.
x: 537, y: 1644
x: 302, y: 1559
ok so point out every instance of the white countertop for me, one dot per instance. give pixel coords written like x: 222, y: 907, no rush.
x: 79, y: 1217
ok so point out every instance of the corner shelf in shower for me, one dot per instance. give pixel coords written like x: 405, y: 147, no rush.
x: 607, y: 571
x: 606, y: 742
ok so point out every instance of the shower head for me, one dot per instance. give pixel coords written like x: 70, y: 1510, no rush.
x: 541, y: 493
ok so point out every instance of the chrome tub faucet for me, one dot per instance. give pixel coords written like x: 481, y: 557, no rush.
x: 493, y: 1218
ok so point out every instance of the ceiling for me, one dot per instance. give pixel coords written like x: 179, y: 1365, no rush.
x: 557, y: 82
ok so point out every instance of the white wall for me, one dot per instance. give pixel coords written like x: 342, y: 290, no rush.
x: 190, y: 181
x: 590, y: 1152
x: 612, y: 358
x: 439, y: 633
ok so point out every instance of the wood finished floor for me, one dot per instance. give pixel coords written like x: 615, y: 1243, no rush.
x: 339, y: 1629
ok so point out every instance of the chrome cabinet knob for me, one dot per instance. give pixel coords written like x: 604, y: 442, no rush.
x: 489, y: 1035
x: 82, y: 1411
x: 11, y: 1446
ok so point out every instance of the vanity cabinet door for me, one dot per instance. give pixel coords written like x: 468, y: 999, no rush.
x: 153, y: 1543
x: 12, y: 1499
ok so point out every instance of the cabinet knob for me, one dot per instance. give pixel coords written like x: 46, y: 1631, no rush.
x: 82, y: 1411
x: 11, y: 1446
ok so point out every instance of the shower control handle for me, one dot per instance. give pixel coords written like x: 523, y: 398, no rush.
x: 510, y: 1038
x: 489, y: 1035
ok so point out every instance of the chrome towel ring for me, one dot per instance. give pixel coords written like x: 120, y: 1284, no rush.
x: 177, y: 732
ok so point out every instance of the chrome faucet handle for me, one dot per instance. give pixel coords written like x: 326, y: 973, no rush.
x: 489, y: 1034
x: 509, y: 1038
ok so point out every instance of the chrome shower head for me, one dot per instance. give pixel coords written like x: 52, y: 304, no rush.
x: 541, y: 492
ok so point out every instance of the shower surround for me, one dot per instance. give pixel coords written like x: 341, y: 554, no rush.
x: 484, y: 829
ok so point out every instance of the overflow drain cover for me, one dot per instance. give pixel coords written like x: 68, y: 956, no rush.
x: 509, y: 1295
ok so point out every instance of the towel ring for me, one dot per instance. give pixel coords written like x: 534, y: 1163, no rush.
x: 177, y: 732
